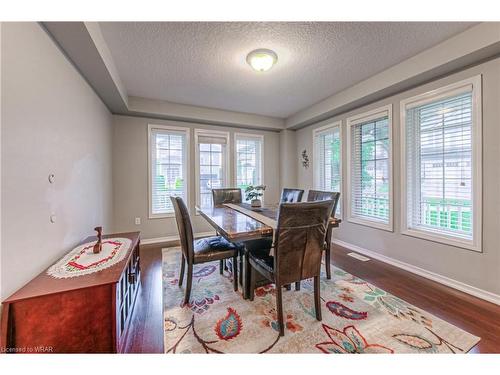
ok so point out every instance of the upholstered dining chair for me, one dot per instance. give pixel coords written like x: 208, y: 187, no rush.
x: 300, y: 237
x: 291, y: 195
x: 200, y: 251
x: 226, y: 195
x: 318, y: 195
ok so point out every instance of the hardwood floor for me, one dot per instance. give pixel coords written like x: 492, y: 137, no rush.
x: 474, y: 315
x: 146, y: 329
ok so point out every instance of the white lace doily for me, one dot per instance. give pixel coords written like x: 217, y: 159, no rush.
x: 82, y: 260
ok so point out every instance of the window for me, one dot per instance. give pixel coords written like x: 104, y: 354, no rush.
x: 211, y: 164
x: 441, y: 156
x: 168, y: 159
x: 370, y: 168
x: 248, y: 160
x: 327, y: 159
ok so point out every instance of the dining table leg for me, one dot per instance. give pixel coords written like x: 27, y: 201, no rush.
x: 245, y: 271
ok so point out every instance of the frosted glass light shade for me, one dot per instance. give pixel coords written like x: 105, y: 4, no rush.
x: 262, y: 60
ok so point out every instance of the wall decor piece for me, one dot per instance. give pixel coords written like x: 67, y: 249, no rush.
x: 305, y: 159
x: 98, y: 244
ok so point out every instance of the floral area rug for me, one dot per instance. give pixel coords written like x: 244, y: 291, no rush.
x: 357, y: 318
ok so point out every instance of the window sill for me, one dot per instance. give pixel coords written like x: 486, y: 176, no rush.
x: 374, y: 224
x: 446, y: 240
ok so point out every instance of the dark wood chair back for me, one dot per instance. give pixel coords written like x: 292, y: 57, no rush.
x: 318, y: 195
x: 185, y: 228
x: 227, y: 195
x: 291, y: 195
x: 300, y: 239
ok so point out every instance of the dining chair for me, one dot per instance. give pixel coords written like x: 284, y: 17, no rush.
x: 318, y: 195
x: 291, y: 195
x: 226, y: 195
x: 221, y: 196
x: 300, y: 236
x: 200, y: 251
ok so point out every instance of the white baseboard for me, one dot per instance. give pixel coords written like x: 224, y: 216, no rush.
x: 150, y: 241
x: 469, y: 289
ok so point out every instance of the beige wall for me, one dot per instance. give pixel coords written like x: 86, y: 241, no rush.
x: 288, y: 159
x: 481, y: 270
x: 130, y: 174
x: 52, y: 122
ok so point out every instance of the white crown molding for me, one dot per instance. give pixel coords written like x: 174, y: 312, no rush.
x: 455, y: 284
x: 469, y: 47
x: 95, y: 33
x: 83, y: 44
x: 151, y: 241
x: 174, y: 111
x: 84, y: 47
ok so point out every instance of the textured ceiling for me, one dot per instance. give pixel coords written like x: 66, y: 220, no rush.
x: 203, y: 63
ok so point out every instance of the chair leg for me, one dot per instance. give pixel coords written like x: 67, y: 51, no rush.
x: 297, y: 285
x: 327, y: 263
x: 183, y: 265
x: 288, y: 287
x: 328, y: 252
x: 279, y: 309
x: 221, y: 266
x: 189, y: 282
x: 235, y: 272
x: 317, y: 300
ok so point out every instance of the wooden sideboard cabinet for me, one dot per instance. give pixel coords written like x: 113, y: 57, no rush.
x: 84, y: 314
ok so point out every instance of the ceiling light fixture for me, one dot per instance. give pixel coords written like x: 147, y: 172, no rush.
x: 262, y: 59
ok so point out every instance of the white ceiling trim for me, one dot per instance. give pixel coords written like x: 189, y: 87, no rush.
x: 86, y: 48
x: 204, y: 63
x: 473, y: 45
x: 183, y: 112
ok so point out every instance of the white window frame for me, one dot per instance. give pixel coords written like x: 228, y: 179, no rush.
x: 260, y: 137
x: 355, y: 120
x: 428, y: 97
x: 151, y: 127
x: 317, y: 132
x: 205, y: 132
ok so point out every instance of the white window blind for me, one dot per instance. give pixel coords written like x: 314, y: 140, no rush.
x: 248, y: 161
x: 212, y: 167
x: 327, y: 159
x: 370, y: 170
x: 168, y: 163
x: 439, y: 166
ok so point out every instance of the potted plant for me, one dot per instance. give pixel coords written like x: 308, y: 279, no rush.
x: 253, y: 194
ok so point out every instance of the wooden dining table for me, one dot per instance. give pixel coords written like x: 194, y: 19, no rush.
x: 240, y: 222
x: 236, y: 226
